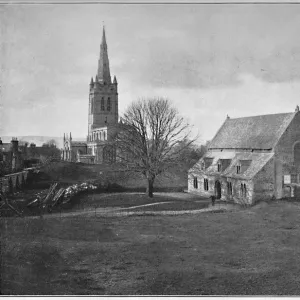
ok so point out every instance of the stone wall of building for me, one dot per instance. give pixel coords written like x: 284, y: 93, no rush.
x: 237, y: 196
x: 284, y: 150
x: 200, y: 186
x: 264, y: 182
x: 101, y: 113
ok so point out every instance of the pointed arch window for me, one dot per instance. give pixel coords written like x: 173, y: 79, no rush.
x: 205, y: 184
x: 102, y: 103
x: 229, y: 188
x: 195, y: 182
x: 108, y: 104
x: 243, y: 190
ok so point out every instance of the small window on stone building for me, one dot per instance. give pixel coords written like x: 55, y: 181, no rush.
x: 219, y: 167
x: 238, y: 169
x: 100, y: 135
x: 202, y: 165
x: 104, y: 135
x: 229, y: 188
x: 102, y: 103
x: 205, y: 184
x: 108, y: 104
x: 195, y: 182
x: 243, y: 190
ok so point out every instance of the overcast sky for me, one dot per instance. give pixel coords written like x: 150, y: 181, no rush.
x: 209, y: 60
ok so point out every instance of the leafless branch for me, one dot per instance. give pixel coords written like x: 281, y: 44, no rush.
x: 151, y: 138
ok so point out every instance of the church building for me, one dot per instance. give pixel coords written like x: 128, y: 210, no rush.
x: 251, y: 159
x: 102, y: 117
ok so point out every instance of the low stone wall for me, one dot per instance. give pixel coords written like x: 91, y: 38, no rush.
x: 12, y: 182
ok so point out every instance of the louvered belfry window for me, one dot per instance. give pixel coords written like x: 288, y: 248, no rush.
x: 108, y: 104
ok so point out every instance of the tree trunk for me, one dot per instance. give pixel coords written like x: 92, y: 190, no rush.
x: 149, y: 190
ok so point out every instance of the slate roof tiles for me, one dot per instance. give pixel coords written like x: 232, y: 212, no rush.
x: 258, y: 132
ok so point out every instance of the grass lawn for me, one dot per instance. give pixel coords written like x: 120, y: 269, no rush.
x: 178, y: 201
x: 247, y: 252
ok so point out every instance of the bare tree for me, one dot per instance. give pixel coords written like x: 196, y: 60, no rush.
x: 151, y: 137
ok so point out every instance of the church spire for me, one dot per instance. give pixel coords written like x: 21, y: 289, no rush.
x: 103, y: 63
x: 103, y: 36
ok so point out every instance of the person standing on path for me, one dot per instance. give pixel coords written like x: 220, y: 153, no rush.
x: 213, y: 199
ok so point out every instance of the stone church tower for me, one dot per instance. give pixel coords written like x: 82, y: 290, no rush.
x: 102, y: 117
x: 103, y: 111
x: 103, y: 98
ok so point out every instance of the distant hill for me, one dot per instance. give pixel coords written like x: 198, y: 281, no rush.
x: 39, y: 140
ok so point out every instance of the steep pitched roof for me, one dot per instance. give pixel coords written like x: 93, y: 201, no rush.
x: 257, y: 132
x: 256, y: 162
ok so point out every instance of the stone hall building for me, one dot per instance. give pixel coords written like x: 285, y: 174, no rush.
x: 251, y: 159
x: 102, y: 117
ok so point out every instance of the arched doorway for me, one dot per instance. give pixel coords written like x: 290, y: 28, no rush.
x: 218, y: 190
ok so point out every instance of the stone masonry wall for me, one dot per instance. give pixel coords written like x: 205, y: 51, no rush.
x: 284, y: 149
x: 264, y: 185
x: 98, y: 117
x: 236, y: 196
x: 20, y: 177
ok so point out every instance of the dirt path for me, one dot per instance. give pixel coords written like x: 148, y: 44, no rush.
x: 125, y: 211
x: 120, y: 212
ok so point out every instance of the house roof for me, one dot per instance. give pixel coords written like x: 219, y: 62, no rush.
x: 257, y: 132
x: 258, y: 161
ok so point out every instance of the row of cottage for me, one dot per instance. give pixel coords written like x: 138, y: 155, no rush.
x: 251, y: 159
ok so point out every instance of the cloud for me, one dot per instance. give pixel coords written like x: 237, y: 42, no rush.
x: 207, y: 108
x: 209, y: 59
